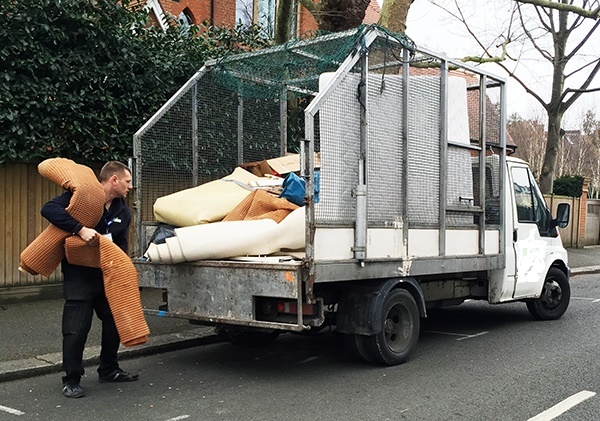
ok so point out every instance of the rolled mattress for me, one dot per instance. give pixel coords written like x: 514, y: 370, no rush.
x: 221, y: 240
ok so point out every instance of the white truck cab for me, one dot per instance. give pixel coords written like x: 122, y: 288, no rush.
x: 536, y: 261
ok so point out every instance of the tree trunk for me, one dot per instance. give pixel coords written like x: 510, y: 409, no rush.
x: 283, y: 21
x: 552, y: 149
x: 394, y: 13
x: 555, y: 108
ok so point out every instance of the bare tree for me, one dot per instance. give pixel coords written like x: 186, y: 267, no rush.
x: 530, y: 137
x: 557, y: 33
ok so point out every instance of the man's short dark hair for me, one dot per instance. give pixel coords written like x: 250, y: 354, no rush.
x: 111, y: 168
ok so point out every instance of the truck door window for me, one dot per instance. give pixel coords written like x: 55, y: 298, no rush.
x: 530, y: 203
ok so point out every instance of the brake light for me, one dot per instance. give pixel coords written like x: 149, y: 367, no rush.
x: 291, y: 307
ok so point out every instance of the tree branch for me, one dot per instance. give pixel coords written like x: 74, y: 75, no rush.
x: 583, y: 41
x: 592, y: 14
x: 543, y: 53
x: 583, y: 88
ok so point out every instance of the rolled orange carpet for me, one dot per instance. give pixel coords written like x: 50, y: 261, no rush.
x: 123, y: 294
x: 261, y: 205
x: 120, y: 277
x: 44, y: 253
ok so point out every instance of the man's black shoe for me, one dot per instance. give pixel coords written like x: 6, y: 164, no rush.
x: 73, y: 391
x: 119, y: 376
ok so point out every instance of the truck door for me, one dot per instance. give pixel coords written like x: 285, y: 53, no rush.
x: 531, y: 240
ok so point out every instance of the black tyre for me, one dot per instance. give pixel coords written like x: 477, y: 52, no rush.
x: 251, y: 337
x: 400, y: 330
x: 556, y: 294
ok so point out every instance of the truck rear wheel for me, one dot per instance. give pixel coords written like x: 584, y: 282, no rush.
x: 399, y: 331
x: 555, y: 297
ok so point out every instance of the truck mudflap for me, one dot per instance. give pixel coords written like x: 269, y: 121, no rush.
x: 228, y: 292
x: 358, y: 307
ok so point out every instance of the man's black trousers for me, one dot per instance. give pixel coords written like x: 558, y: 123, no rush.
x: 76, y: 324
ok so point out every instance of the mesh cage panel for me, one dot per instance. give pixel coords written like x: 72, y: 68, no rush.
x: 493, y: 114
x: 384, y: 156
x: 165, y: 155
x: 339, y: 134
x: 217, y: 130
x: 230, y: 130
x: 424, y: 146
x: 261, y: 129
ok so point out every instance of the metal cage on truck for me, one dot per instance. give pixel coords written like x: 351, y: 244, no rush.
x: 412, y: 158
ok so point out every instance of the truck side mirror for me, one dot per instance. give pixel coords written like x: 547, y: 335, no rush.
x: 563, y: 213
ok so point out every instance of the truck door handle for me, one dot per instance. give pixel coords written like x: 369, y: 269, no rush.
x: 515, y: 236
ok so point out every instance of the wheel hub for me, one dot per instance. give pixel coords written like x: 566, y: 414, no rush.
x: 397, y: 329
x: 552, y: 294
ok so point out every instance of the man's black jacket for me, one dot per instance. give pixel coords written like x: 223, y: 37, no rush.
x: 82, y: 282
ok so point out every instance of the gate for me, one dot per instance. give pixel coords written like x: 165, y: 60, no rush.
x: 592, y: 223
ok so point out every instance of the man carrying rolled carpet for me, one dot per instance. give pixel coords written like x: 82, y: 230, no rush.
x: 83, y: 286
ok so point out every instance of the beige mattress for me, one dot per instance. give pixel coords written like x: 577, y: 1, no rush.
x: 208, y: 202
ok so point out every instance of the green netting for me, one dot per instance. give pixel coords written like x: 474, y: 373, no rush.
x: 294, y: 68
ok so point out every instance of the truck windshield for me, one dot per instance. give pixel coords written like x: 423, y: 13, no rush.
x: 531, y: 206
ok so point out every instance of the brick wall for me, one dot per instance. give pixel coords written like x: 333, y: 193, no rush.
x: 221, y: 11
x: 583, y: 213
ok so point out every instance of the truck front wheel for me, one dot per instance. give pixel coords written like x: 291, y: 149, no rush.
x: 554, y: 300
x: 398, y: 337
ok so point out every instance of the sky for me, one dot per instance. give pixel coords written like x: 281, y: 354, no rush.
x: 432, y: 28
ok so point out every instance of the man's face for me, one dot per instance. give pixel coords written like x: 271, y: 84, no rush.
x: 121, y: 184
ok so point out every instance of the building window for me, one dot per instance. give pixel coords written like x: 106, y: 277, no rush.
x: 266, y: 16
x: 244, y: 12
x: 185, y: 18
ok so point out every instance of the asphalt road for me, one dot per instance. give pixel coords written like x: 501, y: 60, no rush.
x: 473, y: 362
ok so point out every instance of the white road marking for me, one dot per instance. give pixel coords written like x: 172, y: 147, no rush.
x: 181, y: 417
x: 462, y: 335
x: 593, y: 300
x: 11, y: 410
x: 472, y: 336
x: 564, y: 406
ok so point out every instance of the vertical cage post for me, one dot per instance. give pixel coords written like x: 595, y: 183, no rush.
x: 360, y: 226
x: 482, y: 158
x: 443, y: 156
x: 195, y: 134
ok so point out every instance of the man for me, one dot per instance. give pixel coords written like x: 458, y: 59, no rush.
x: 84, y: 287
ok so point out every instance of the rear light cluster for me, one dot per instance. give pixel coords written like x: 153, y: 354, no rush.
x: 291, y: 307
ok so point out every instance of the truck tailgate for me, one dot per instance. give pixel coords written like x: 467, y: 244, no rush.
x: 223, y: 291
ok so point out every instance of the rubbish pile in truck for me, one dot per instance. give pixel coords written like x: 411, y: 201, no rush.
x: 242, y: 214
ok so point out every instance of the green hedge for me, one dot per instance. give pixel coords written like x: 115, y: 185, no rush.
x: 568, y: 185
x: 78, y: 77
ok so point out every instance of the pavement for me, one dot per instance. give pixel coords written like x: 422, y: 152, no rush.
x: 31, y: 331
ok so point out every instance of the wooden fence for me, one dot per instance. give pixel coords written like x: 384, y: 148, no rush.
x: 573, y: 235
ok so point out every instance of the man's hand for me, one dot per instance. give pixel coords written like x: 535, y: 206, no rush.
x: 90, y: 236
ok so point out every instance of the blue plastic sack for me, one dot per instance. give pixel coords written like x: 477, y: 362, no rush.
x: 294, y: 188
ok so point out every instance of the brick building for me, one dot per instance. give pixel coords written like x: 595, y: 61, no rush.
x: 229, y: 12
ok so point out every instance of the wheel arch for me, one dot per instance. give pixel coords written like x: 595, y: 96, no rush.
x: 356, y: 309
x: 562, y: 266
